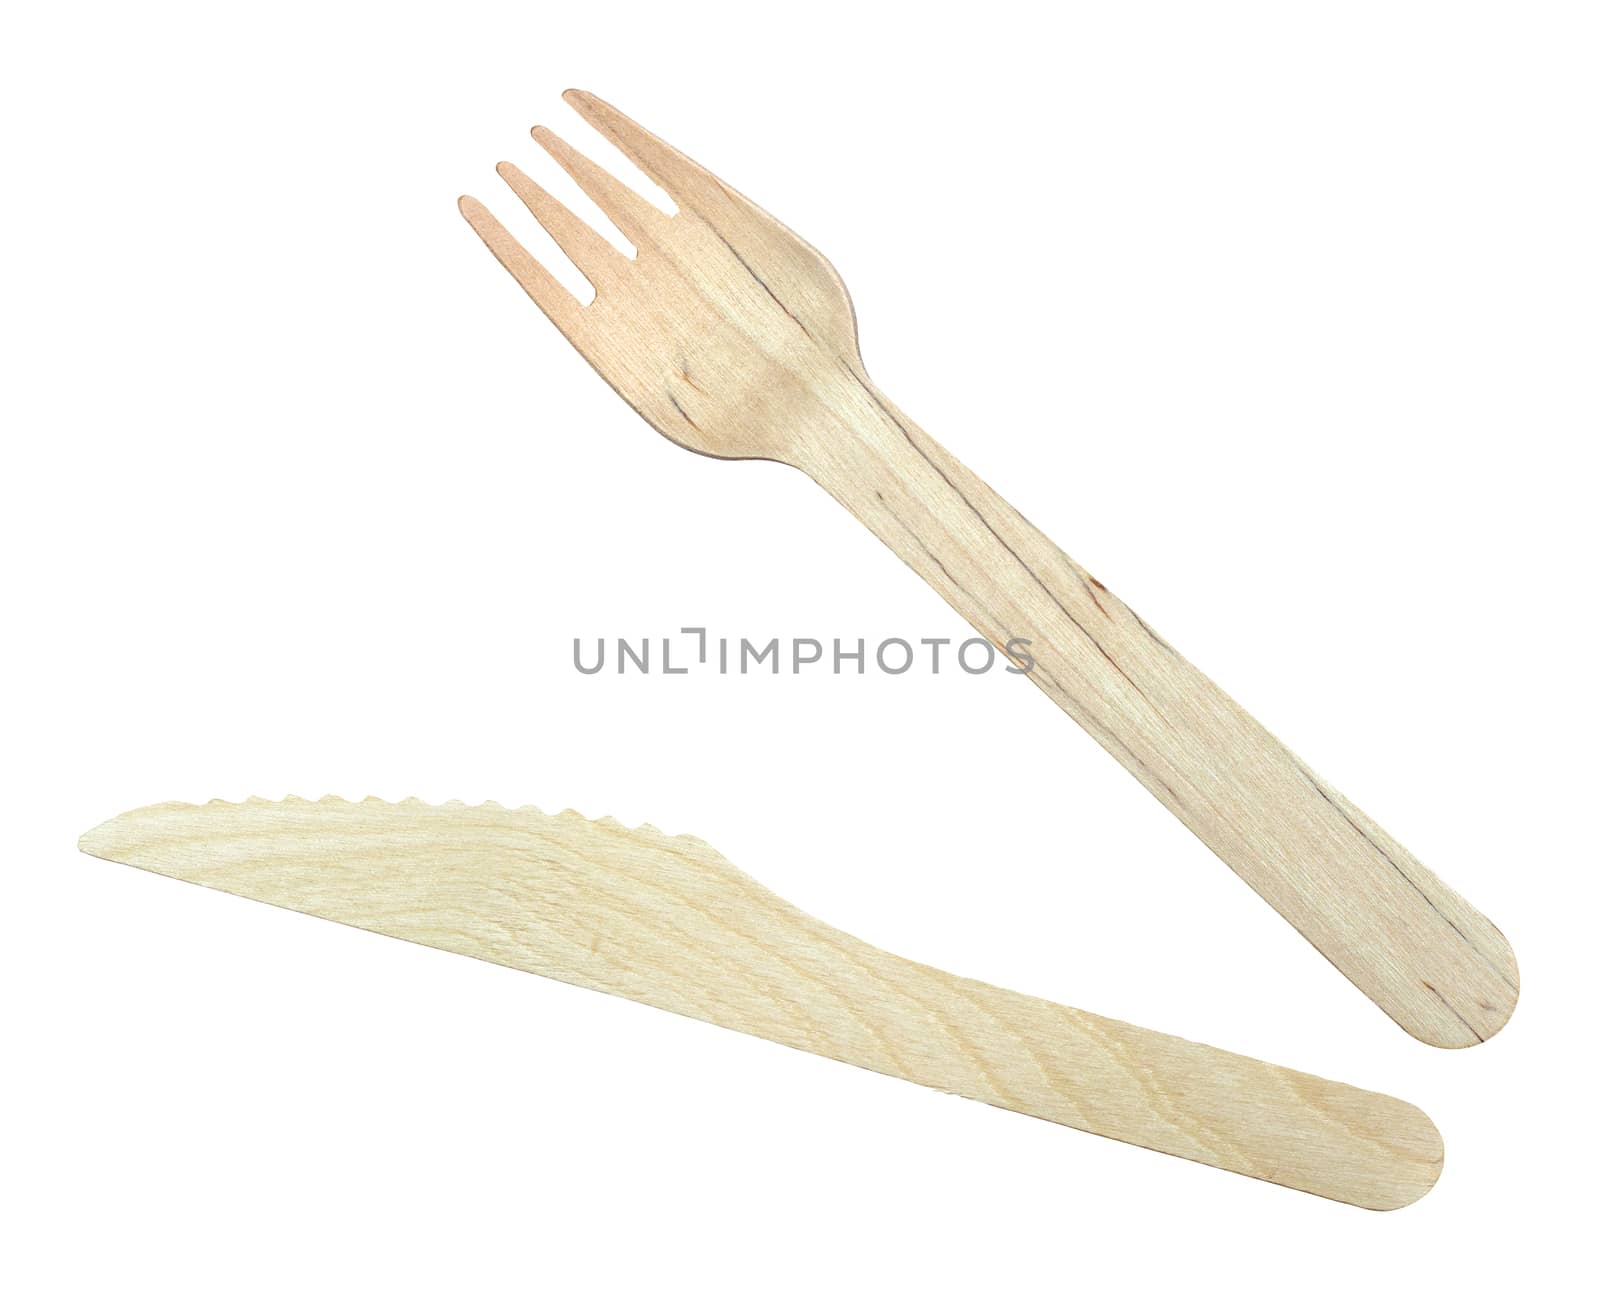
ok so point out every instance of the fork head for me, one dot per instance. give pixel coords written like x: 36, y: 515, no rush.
x: 725, y: 330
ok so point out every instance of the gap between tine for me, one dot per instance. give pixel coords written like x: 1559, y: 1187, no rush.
x: 685, y: 181
x: 545, y: 290
x: 594, y: 255
x: 633, y: 216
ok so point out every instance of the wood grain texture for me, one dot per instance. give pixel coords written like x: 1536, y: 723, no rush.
x: 666, y: 921
x: 735, y: 338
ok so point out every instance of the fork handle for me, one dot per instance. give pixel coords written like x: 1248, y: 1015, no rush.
x: 1424, y: 955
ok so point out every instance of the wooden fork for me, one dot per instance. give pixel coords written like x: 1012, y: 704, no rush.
x: 736, y: 339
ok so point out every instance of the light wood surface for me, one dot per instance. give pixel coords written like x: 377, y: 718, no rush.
x: 666, y: 921
x: 735, y: 338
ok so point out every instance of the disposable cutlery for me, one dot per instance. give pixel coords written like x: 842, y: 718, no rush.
x: 665, y: 920
x: 735, y: 338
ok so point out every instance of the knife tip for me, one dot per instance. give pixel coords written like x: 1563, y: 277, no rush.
x: 98, y: 839
x: 93, y: 842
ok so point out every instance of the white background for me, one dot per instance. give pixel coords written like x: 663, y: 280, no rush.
x: 1282, y: 319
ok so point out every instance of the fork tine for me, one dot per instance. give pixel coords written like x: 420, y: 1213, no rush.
x: 689, y: 184
x: 633, y: 216
x: 590, y: 252
x: 544, y: 289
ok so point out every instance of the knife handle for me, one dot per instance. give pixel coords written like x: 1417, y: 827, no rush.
x: 667, y: 921
x: 1423, y: 954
